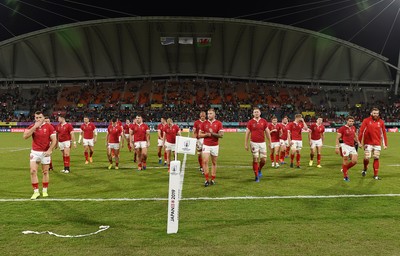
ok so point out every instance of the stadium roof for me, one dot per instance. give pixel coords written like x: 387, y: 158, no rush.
x: 131, y: 48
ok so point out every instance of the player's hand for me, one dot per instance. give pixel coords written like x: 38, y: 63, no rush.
x: 385, y: 147
x: 38, y: 123
x: 337, y: 151
x: 246, y: 147
x: 47, y: 153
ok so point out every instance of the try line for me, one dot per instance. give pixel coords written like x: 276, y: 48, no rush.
x: 196, y: 198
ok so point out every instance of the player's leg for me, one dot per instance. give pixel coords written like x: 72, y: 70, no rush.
x: 116, y: 150
x: 109, y: 156
x: 143, y: 157
x: 276, y: 154
x: 213, y: 168
x: 199, y: 146
x: 282, y: 150
x: 168, y: 159
x: 67, y: 159
x: 376, y: 154
x: 367, y: 156
x: 206, y: 156
x: 86, y: 153
x: 344, y: 167
x: 292, y: 153
x: 34, y: 166
x: 319, y: 156
x: 46, y: 176
x: 138, y: 151
x: 312, y: 153
x: 91, y: 151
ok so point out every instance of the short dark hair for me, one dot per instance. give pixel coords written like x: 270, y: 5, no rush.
x: 38, y: 112
x: 349, y: 117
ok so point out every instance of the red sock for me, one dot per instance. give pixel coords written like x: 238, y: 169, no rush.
x: 159, y: 154
x: 287, y: 151
x: 271, y: 156
x: 213, y: 177
x: 311, y: 156
x: 35, y: 185
x: 206, y: 176
x: 282, y: 156
x: 376, y: 167
x: 45, y: 184
x: 291, y: 158
x: 67, y: 160
x: 277, y: 158
x: 86, y: 155
x: 344, y: 167
x: 366, y: 162
x: 298, y: 158
x: 165, y: 156
x: 319, y: 158
x: 200, y: 159
x: 91, y: 153
x: 255, y: 168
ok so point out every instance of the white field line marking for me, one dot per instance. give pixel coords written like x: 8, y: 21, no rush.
x: 101, y: 229
x: 13, y: 149
x: 199, y: 198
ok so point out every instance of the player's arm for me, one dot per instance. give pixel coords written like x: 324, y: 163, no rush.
x: 122, y: 138
x: 28, y: 132
x: 53, y: 144
x: 203, y: 134
x: 159, y: 134
x: 218, y: 134
x: 131, y: 137
x: 268, y: 134
x: 179, y: 132
x: 94, y: 135
x: 305, y: 124
x: 194, y: 132
x: 338, y: 136
x: 361, y: 133
x: 309, y: 136
x: 163, y: 137
x: 107, y: 138
x: 80, y: 136
x: 148, y: 137
x: 246, y: 139
x: 289, y: 137
x: 384, y: 135
x: 73, y: 137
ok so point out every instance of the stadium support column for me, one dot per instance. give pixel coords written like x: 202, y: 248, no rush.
x: 396, y: 85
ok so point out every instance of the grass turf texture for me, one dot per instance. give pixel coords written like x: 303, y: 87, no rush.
x: 265, y: 226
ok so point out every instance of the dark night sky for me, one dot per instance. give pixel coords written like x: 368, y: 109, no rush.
x: 367, y: 23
